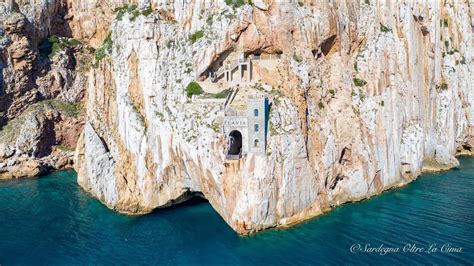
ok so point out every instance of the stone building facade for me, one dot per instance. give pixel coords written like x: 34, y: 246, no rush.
x: 247, y: 130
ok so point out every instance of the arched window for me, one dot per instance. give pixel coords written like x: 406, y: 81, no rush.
x: 255, y: 143
x: 256, y: 127
x: 255, y: 112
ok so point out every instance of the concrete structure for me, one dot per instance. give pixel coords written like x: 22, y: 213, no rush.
x: 247, y: 129
x: 237, y: 70
x: 241, y: 70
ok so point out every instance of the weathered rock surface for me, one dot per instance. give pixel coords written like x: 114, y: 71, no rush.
x: 41, y: 139
x: 37, y: 137
x: 366, y: 95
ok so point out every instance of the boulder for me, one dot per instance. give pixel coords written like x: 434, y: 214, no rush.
x: 6, y: 151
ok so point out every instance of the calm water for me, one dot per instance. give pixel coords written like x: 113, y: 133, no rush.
x: 52, y: 221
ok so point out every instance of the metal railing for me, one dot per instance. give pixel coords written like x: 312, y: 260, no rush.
x: 231, y: 65
x: 231, y: 112
x: 231, y: 97
x: 266, y: 57
x: 259, y: 96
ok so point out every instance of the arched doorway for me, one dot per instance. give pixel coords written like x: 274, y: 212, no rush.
x: 235, y: 142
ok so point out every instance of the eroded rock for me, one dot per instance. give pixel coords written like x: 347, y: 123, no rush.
x: 356, y: 108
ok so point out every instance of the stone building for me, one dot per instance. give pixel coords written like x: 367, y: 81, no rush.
x: 247, y: 129
x: 239, y: 70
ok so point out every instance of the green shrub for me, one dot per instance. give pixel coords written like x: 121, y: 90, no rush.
x: 359, y: 82
x: 301, y: 3
x: 120, y: 11
x: 209, y: 20
x: 49, y: 47
x: 69, y: 109
x: 453, y: 51
x: 133, y: 10
x: 382, y: 103
x: 53, y: 39
x: 223, y: 94
x: 463, y: 60
x: 332, y: 91
x: 215, y: 126
x: 103, y: 50
x: 367, y: 2
x: 356, y: 68
x: 65, y: 148
x: 235, y: 3
x: 273, y: 131
x: 444, y: 86
x: 91, y: 50
x: 135, y: 15
x: 384, y: 28
x: 297, y: 58
x: 355, y: 110
x: 320, y: 104
x: 445, y: 22
x: 446, y: 43
x: 147, y: 12
x: 193, y: 88
x: 353, y: 93
x: 71, y: 42
x: 196, y: 36
x: 55, y: 47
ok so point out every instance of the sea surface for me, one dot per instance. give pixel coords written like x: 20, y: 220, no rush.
x: 51, y: 220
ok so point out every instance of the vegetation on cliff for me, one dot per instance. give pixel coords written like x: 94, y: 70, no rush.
x: 193, y: 88
x: 52, y: 45
x: 104, y: 49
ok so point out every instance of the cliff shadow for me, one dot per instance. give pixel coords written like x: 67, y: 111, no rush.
x: 187, y: 200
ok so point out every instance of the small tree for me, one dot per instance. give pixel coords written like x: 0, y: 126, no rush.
x: 196, y: 36
x: 359, y: 82
x: 384, y: 28
x: 320, y: 104
x: 193, y: 88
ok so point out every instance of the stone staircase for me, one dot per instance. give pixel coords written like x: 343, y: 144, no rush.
x: 214, y: 76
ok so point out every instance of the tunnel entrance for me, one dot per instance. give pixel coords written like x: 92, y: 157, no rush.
x: 235, y: 143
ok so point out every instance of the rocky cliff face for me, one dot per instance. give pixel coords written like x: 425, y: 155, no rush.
x: 366, y: 96
x: 39, y: 90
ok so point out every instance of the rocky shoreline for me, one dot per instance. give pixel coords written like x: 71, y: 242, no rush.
x: 39, y: 141
x: 362, y: 97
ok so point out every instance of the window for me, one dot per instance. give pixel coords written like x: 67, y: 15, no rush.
x: 255, y: 112
x: 255, y: 143
x: 256, y: 127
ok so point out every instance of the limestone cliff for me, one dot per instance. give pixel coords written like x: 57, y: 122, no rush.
x: 40, y: 92
x: 365, y: 96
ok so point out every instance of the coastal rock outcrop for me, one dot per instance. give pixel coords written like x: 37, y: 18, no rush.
x: 40, y: 89
x: 41, y: 139
x: 364, y: 96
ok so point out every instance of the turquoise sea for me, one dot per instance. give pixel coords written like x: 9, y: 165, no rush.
x: 50, y: 220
